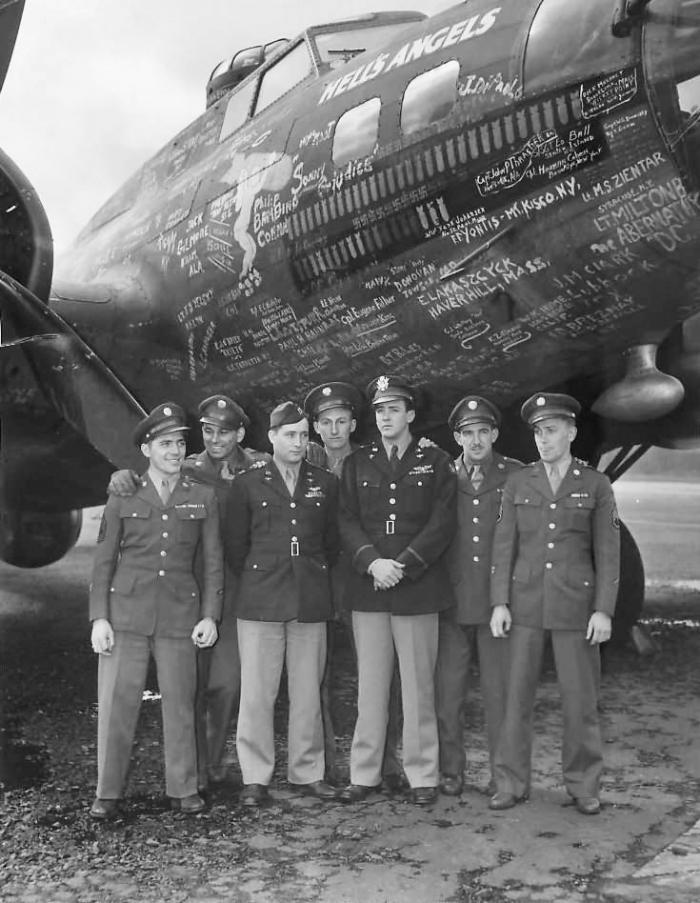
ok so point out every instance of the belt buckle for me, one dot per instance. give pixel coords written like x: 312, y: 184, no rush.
x: 390, y: 525
x: 294, y: 549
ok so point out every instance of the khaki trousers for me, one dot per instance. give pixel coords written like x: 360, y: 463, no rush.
x: 578, y: 672
x: 121, y: 678
x: 265, y: 646
x: 414, y: 640
x: 458, y: 643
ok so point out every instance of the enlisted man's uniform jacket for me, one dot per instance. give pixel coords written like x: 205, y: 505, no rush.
x: 556, y: 557
x: 282, y: 546
x: 220, y: 475
x: 408, y: 514
x: 469, y: 556
x: 143, y: 580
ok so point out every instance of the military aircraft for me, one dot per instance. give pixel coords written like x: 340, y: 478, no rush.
x: 499, y: 198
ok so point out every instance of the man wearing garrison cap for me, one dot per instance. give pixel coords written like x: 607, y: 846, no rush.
x: 146, y: 601
x: 555, y: 568
x: 397, y: 519
x: 281, y: 539
x: 464, y: 629
x: 333, y: 408
x: 223, y: 424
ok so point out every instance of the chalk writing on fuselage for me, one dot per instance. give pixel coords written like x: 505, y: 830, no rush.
x: 414, y: 50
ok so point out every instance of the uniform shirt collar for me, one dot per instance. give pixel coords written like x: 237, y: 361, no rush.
x: 401, y: 445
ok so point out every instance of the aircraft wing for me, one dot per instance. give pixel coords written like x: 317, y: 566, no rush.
x: 10, y: 17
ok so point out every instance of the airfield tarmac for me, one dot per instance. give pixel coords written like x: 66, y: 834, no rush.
x: 644, y: 846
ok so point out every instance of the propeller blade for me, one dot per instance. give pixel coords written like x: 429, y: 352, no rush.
x: 10, y: 17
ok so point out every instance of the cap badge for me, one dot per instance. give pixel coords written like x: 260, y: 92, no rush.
x: 221, y: 403
x: 168, y: 412
x: 383, y: 383
x: 472, y: 405
x: 326, y: 391
x: 541, y: 400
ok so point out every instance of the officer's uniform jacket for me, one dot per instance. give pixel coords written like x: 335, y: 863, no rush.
x: 143, y: 577
x: 282, y: 546
x: 408, y: 514
x: 469, y: 556
x: 556, y: 557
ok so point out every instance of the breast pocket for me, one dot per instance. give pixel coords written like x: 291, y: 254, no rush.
x: 416, y: 492
x: 578, y: 512
x: 528, y: 512
x: 189, y: 521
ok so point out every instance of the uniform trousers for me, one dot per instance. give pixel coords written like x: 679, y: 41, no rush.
x: 578, y: 673
x: 414, y: 639
x: 121, y: 678
x: 265, y: 646
x: 458, y: 642
x: 218, y: 693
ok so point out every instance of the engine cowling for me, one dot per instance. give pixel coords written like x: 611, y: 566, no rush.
x: 32, y: 539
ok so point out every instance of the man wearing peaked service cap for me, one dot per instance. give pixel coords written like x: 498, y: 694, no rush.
x: 223, y: 425
x: 281, y: 539
x: 464, y: 629
x: 397, y: 519
x: 145, y: 601
x: 333, y: 407
x: 555, y: 569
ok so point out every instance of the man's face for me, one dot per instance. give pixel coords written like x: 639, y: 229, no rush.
x: 334, y: 426
x: 393, y: 419
x: 165, y: 453
x: 220, y: 443
x: 477, y: 441
x: 553, y: 438
x: 289, y: 441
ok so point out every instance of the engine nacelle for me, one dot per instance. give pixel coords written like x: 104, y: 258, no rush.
x: 31, y: 539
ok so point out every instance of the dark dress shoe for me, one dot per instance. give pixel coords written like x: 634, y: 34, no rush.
x: 319, y: 789
x: 504, y: 800
x: 253, y: 795
x: 190, y: 805
x: 395, y: 782
x: 103, y: 809
x: 588, y: 805
x: 355, y: 793
x: 451, y: 785
x: 423, y: 796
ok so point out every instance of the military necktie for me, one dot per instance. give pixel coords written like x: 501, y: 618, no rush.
x: 290, y: 480
x: 394, y: 457
x: 554, y: 476
x: 476, y: 476
x: 164, y: 491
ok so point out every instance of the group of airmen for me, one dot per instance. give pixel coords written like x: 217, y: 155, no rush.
x: 228, y: 565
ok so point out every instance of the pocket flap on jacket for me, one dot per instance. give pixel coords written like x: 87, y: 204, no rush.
x: 191, y: 511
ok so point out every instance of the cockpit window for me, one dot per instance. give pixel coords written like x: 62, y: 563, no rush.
x: 569, y: 41
x: 356, y: 132
x: 284, y: 75
x: 337, y: 47
x: 237, y: 109
x: 429, y: 97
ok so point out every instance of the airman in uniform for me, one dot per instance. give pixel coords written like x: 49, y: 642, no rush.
x: 281, y: 539
x: 481, y: 475
x: 555, y: 568
x: 223, y: 424
x: 398, y: 515
x: 146, y: 601
x: 333, y: 408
